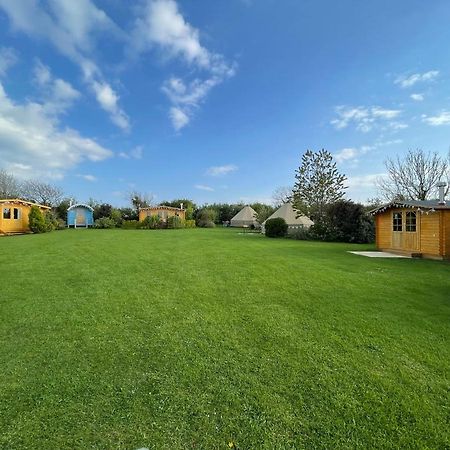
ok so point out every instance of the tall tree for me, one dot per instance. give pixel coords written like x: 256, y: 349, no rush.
x: 318, y: 184
x: 414, y: 176
x: 9, y: 186
x: 44, y: 193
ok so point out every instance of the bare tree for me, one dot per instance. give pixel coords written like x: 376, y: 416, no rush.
x: 414, y: 176
x: 9, y: 186
x: 281, y: 194
x: 43, y: 193
x: 141, y: 200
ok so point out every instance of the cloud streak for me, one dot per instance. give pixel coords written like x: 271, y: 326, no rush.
x: 71, y: 28
x: 407, y: 81
x: 33, y: 144
x: 219, y: 171
x: 364, y: 118
x: 161, y: 26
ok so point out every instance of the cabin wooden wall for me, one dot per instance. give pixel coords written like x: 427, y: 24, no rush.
x: 433, y: 233
x: 430, y: 234
x: 384, y: 230
x: 446, y: 234
x: 15, y: 225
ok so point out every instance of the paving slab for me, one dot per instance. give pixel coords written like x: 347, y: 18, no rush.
x: 380, y: 255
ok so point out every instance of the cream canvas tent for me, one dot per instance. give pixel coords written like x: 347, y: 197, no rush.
x: 246, y: 217
x: 289, y: 214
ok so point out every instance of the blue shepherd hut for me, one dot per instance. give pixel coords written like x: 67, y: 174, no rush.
x: 80, y: 215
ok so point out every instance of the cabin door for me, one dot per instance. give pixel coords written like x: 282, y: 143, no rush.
x: 80, y: 219
x: 405, y: 234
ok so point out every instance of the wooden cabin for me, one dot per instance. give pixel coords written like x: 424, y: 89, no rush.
x: 415, y: 228
x: 80, y: 216
x: 14, y: 215
x: 163, y: 212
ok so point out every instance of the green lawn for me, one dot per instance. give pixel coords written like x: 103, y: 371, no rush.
x: 173, y: 339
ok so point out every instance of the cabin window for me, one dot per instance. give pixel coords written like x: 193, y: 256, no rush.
x: 7, y: 213
x: 411, y: 221
x: 16, y: 213
x: 397, y: 222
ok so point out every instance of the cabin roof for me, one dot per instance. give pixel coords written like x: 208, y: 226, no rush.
x: 80, y: 205
x: 171, y: 208
x: 22, y: 202
x: 418, y: 204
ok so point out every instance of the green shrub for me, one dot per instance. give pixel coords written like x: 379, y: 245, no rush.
x: 105, y: 222
x: 189, y: 223
x: 36, y: 220
x: 302, y: 234
x: 52, y: 222
x: 276, y: 227
x: 175, y: 222
x: 131, y: 224
x: 151, y: 223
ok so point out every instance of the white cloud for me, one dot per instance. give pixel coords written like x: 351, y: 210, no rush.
x: 417, y: 97
x: 33, y: 144
x: 8, y: 58
x: 407, y: 81
x: 364, y: 118
x: 346, y: 154
x: 441, y: 119
x: 178, y: 117
x: 162, y: 26
x: 385, y: 113
x: 203, y: 187
x: 135, y: 153
x: 70, y: 26
x: 108, y: 100
x: 59, y: 95
x: 88, y: 177
x: 217, y: 171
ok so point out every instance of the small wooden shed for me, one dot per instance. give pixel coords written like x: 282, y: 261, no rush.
x: 162, y: 211
x: 80, y: 216
x: 415, y: 228
x: 14, y: 215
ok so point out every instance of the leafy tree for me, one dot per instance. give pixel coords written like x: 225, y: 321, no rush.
x: 36, y: 220
x: 43, y: 193
x: 263, y: 211
x: 102, y: 210
x: 141, y: 200
x: 414, y: 176
x: 318, y: 184
x: 128, y: 214
x: 62, y: 207
x: 346, y: 221
x: 276, y: 227
x: 9, y: 186
x: 206, y: 217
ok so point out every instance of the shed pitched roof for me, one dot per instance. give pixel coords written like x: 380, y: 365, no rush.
x: 171, y: 208
x: 425, y: 204
x: 23, y: 202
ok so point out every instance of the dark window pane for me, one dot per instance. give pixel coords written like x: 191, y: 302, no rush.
x: 7, y: 213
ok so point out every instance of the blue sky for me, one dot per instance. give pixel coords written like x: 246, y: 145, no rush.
x: 217, y: 100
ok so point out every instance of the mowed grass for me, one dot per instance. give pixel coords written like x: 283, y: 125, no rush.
x: 180, y: 339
